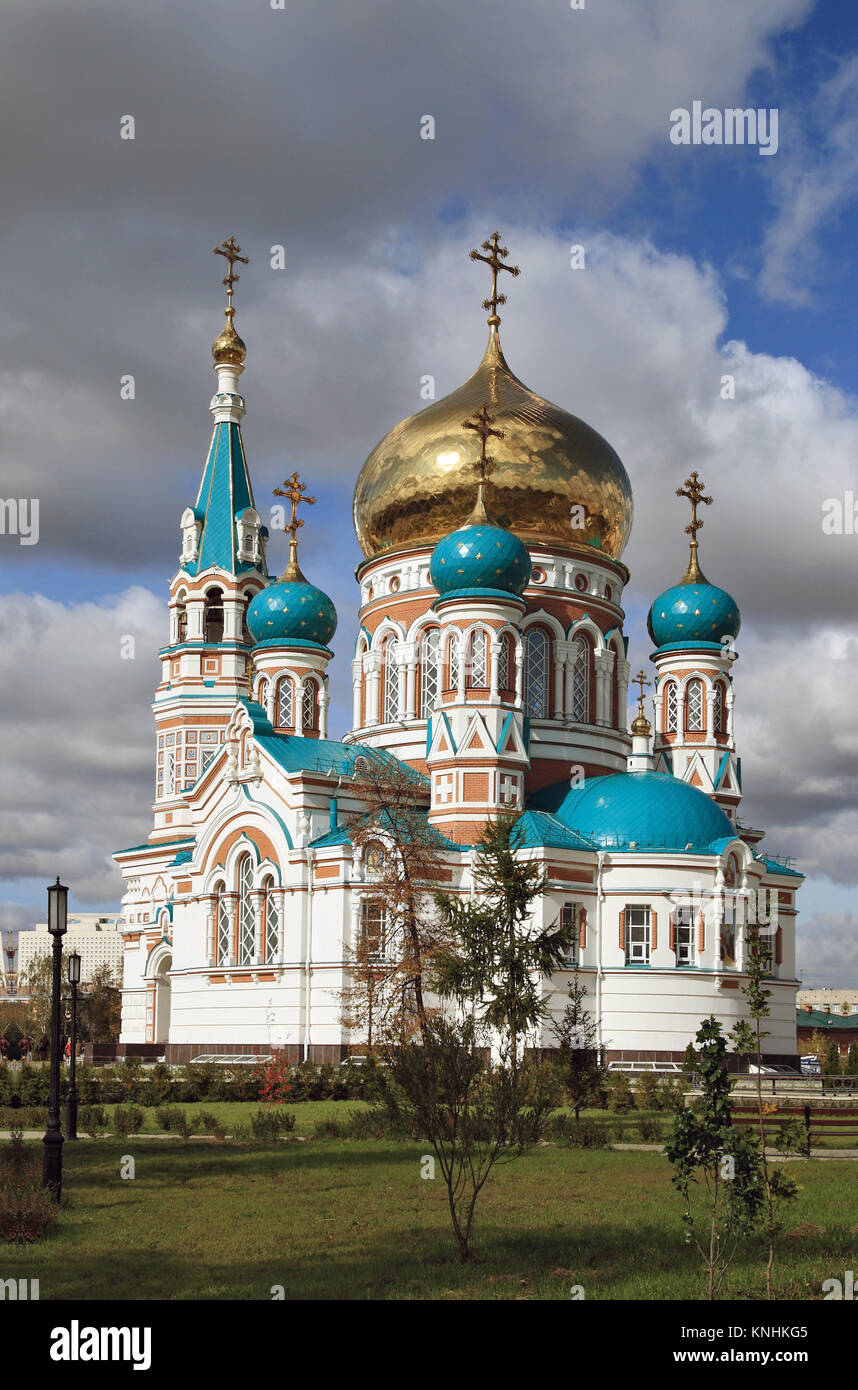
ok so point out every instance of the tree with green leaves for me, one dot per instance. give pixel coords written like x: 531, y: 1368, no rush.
x: 37, y: 982
x: 468, y: 1085
x: 717, y: 1169
x: 748, y: 1038
x: 579, y: 1056
x: 852, y: 1060
x: 101, y: 1007
x: 829, y: 1057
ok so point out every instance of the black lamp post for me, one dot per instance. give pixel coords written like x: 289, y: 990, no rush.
x: 71, y: 1104
x: 52, y: 1170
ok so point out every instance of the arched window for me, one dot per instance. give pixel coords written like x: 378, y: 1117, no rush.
x: 222, y: 947
x: 390, y: 688
x: 214, y: 615
x: 262, y: 692
x: 478, y: 661
x: 181, y: 620
x: 718, y: 708
x: 454, y: 656
x: 581, y: 681
x: 428, y: 671
x: 536, y: 651
x: 310, y: 706
x: 504, y: 663
x: 246, y: 923
x: 694, y: 707
x: 285, y: 713
x: 271, y: 923
x: 245, y: 630
x: 671, y: 709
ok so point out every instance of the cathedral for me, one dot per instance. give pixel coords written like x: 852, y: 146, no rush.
x: 490, y: 657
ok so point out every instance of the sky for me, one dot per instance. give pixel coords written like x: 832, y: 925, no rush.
x: 301, y: 127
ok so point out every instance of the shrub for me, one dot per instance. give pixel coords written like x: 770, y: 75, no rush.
x: 618, y: 1134
x: 327, y: 1129
x: 241, y: 1133
x: 620, y: 1098
x: 586, y: 1134
x: 92, y: 1119
x: 34, y: 1084
x: 306, y: 1082
x: 128, y: 1119
x: 27, y: 1208
x: 646, y: 1092
x: 366, y: 1124
x: 166, y: 1115
x: 274, y: 1084
x: 671, y: 1095
x: 208, y: 1123
x: 649, y: 1129
x: 160, y: 1084
x: 270, y: 1124
x: 182, y: 1126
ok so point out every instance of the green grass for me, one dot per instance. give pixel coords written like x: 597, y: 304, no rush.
x: 336, y: 1220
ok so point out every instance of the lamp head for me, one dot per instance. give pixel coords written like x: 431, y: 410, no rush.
x: 58, y: 898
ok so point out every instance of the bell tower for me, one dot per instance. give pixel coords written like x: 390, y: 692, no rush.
x: 206, y: 662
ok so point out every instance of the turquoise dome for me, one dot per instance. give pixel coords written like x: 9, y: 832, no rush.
x: 650, y: 810
x: 691, y: 614
x: 292, y: 611
x: 480, y: 558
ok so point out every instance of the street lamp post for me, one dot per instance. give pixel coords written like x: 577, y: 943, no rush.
x: 71, y: 1105
x: 52, y: 1169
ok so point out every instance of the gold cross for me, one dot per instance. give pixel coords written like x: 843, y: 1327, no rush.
x: 641, y: 680
x: 482, y: 422
x: 295, y: 494
x: 493, y: 259
x: 693, y: 490
x: 232, y: 251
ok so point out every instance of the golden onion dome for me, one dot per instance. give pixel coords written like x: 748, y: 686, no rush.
x: 555, y: 480
x: 227, y: 346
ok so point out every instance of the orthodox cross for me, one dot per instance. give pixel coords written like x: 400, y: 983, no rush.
x: 641, y: 680
x: 693, y: 490
x: 231, y: 250
x: 295, y: 494
x: 494, y: 260
x: 482, y: 423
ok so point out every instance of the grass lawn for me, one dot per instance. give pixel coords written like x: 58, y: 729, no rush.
x: 331, y: 1219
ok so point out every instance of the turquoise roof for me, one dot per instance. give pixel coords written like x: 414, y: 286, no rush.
x: 691, y: 614
x: 775, y: 867
x: 292, y: 610
x: 225, y: 493
x: 818, y: 1018
x: 483, y: 559
x: 537, y: 828
x: 647, y: 810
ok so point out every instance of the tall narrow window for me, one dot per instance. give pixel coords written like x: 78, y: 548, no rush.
x: 372, y: 927
x: 272, y: 923
x: 390, y: 693
x: 536, y: 650
x: 181, y: 620
x: 718, y: 708
x: 246, y: 923
x: 428, y: 672
x: 170, y: 772
x: 309, y: 706
x: 728, y: 930
x: 637, y: 936
x: 479, y: 661
x: 671, y: 709
x: 214, y: 615
x: 694, y: 707
x: 503, y: 663
x: 570, y: 916
x: 581, y: 681
x: 454, y: 656
x: 285, y: 712
x: 683, y: 942
x: 223, y: 927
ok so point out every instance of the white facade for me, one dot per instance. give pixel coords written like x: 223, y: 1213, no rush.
x: 96, y: 939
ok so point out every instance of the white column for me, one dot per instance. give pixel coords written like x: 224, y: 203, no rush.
x: 232, y: 609
x: 710, y: 715
x: 730, y: 740
x: 298, y: 712
x: 460, y: 694
x: 357, y: 671
x: 623, y: 671
x: 439, y: 670
x: 494, y: 658
x: 657, y: 707
x: 324, y: 701
x: 196, y: 612
x: 411, y: 686
x: 372, y: 661
x: 519, y: 672
x: 559, y: 667
x: 257, y: 901
x: 401, y: 674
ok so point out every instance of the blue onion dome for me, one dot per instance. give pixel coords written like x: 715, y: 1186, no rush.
x: 693, y: 613
x: 644, y: 810
x: 481, y: 558
x: 292, y: 611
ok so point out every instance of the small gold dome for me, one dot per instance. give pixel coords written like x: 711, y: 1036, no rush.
x: 641, y: 725
x: 555, y: 480
x: 227, y: 346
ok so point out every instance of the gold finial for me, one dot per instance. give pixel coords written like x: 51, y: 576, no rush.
x: 227, y: 346
x: 482, y: 423
x: 693, y: 490
x: 641, y: 724
x: 294, y: 491
x: 494, y: 260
